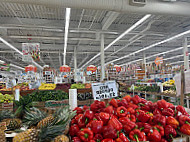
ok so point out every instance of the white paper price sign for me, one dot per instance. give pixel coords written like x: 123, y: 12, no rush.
x: 47, y: 72
x: 104, y: 90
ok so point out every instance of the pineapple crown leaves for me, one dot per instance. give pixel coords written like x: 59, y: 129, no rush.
x: 63, y: 116
x: 49, y: 133
x: 24, y: 104
x: 33, y: 116
x: 6, y: 114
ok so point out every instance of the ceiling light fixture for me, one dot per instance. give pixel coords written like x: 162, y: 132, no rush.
x: 162, y: 53
x: 8, y: 44
x: 150, y: 46
x: 121, y: 36
x: 15, y: 66
x: 67, y: 17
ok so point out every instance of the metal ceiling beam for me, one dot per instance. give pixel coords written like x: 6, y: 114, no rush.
x: 152, y: 6
x: 109, y: 19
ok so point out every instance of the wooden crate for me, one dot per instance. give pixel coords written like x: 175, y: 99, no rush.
x: 6, y: 106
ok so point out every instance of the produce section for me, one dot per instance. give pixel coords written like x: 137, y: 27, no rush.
x: 94, y: 71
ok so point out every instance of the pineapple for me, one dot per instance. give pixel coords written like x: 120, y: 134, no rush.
x: 30, y: 135
x: 61, y: 138
x: 48, y: 128
x: 12, y: 123
x: 45, y: 122
x: 2, y: 136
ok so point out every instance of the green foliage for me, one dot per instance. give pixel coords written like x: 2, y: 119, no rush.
x: 77, y: 86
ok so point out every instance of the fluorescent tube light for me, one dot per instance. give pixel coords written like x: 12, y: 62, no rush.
x: 67, y: 17
x: 8, y: 44
x: 121, y: 36
x: 150, y: 46
x: 173, y: 50
x: 15, y: 66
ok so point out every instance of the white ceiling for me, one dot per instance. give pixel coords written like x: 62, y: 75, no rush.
x: 46, y: 26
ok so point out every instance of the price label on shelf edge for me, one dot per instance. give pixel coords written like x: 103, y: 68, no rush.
x: 104, y: 90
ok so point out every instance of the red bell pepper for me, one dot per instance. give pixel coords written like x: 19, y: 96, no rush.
x: 115, y: 123
x: 113, y: 102
x: 172, y: 121
x: 74, y: 129
x: 183, y: 120
x: 97, y: 116
x: 185, y: 129
x: 109, y: 110
x: 86, y: 107
x: 160, y: 129
x: 104, y: 117
x: 170, y: 132
x: 130, y: 110
x: 122, y: 138
x: 89, y: 125
x: 107, y: 140
x: 73, y: 121
x: 133, y: 106
x: 168, y: 112
x: 109, y: 132
x: 131, y: 117
x: 144, y: 127
x: 82, y: 122
x: 78, y: 116
x: 123, y: 102
x: 97, y: 106
x: 92, y: 141
x: 143, y: 101
x: 154, y: 136
x: 89, y: 115
x: 124, y: 120
x: 98, y: 137
x: 137, y: 135
x: 159, y: 119
x: 157, y: 111
x: 137, y: 112
x: 78, y: 110
x: 85, y: 135
x: 127, y: 98
x: 121, y: 111
x: 162, y: 104
x: 143, y: 117
x: 76, y: 139
x: 163, y: 140
x: 129, y: 126
x: 136, y: 99
x: 182, y: 110
x: 145, y: 106
x: 96, y: 126
x: 171, y: 106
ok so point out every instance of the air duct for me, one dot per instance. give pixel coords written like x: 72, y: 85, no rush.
x: 151, y: 7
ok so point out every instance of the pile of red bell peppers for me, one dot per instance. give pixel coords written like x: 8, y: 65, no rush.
x: 129, y: 119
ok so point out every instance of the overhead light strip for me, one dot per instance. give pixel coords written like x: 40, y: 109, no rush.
x: 8, y: 44
x: 162, y: 53
x: 67, y: 17
x: 15, y: 66
x: 121, y: 36
x: 151, y: 46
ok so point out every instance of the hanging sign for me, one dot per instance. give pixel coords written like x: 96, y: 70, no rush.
x: 158, y: 60
x: 104, y: 90
x: 30, y: 51
x: 4, y: 67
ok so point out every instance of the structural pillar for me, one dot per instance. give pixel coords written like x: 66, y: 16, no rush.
x: 186, y: 55
x: 144, y: 63
x: 102, y: 58
x: 75, y: 63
